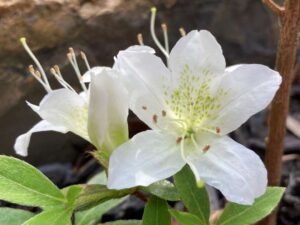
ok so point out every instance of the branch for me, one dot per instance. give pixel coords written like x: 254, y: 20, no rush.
x: 277, y: 9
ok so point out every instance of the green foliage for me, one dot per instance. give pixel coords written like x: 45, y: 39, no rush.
x: 93, y: 195
x: 156, y: 212
x: 185, y: 218
x: 194, y: 198
x: 59, y: 216
x: 235, y: 214
x: 23, y: 184
x: 124, y: 222
x: 93, y: 215
x: 9, y: 216
x: 163, y: 189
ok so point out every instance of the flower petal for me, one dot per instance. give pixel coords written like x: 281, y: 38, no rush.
x: 250, y: 89
x: 148, y: 157
x: 145, y: 76
x: 93, y: 71
x: 66, y: 108
x: 230, y: 167
x: 108, y: 110
x: 198, y: 50
x: 22, y: 142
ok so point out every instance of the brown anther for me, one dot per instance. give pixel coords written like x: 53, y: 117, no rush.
x: 182, y: 31
x: 218, y: 130
x: 178, y: 140
x: 52, y: 70
x: 37, y: 73
x: 144, y: 107
x: 154, y: 118
x: 164, y: 27
x: 69, y: 55
x: 83, y: 55
x: 163, y: 113
x: 140, y: 39
x: 56, y: 68
x: 31, y: 69
x: 71, y: 50
x: 206, y: 148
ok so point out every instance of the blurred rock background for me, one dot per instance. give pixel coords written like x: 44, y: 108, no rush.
x: 246, y: 29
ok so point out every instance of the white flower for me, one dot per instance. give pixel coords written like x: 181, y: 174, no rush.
x: 191, y: 107
x: 99, y: 115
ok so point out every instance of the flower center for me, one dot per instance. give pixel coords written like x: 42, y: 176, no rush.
x: 192, y: 100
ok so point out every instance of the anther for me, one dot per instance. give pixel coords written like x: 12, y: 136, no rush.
x: 178, y: 140
x: 140, y: 39
x: 182, y: 31
x: 163, y: 113
x: 164, y: 27
x: 154, y: 118
x: 83, y: 56
x: 218, y: 130
x: 71, y: 50
x: 144, y: 107
x: 31, y: 69
x: 69, y: 55
x: 206, y: 148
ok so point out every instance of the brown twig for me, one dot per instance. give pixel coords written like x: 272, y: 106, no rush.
x: 277, y: 9
x: 285, y: 61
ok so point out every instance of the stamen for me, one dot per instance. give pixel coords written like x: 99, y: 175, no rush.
x: 72, y: 58
x: 154, y: 118
x: 37, y: 76
x: 83, y: 56
x: 153, y: 34
x: 58, y: 76
x: 163, y: 113
x: 166, y: 39
x: 182, y: 31
x: 140, y: 39
x: 218, y: 130
x: 144, y: 107
x: 43, y: 78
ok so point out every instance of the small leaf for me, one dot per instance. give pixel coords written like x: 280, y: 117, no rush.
x: 93, y: 195
x: 124, y: 222
x: 57, y: 216
x: 93, y: 215
x: 156, y: 212
x: 194, y: 198
x: 163, y: 189
x: 10, y: 216
x: 235, y: 214
x: 185, y: 218
x: 23, y: 184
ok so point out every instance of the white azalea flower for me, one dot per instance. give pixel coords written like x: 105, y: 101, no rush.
x: 191, y: 107
x: 99, y: 115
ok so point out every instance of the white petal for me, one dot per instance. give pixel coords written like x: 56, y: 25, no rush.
x: 22, y: 142
x: 93, y: 71
x: 250, y: 89
x: 35, y: 108
x: 145, y: 76
x: 148, y: 157
x: 66, y: 108
x: 198, y: 50
x: 230, y: 167
x: 108, y: 110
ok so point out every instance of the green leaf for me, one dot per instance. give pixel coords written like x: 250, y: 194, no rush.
x: 163, y: 189
x: 72, y: 193
x: 194, y: 198
x: 124, y: 222
x: 93, y: 215
x: 185, y: 218
x: 57, y: 216
x: 10, y: 216
x: 235, y: 214
x: 156, y: 212
x: 23, y: 184
x: 93, y: 195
